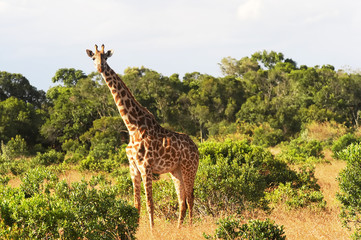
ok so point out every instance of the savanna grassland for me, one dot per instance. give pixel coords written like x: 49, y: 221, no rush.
x: 278, y: 142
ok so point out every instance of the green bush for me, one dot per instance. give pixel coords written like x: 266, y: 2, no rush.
x: 233, y: 176
x: 350, y: 188
x: 37, y: 181
x: 124, y: 183
x: 165, y: 199
x: 342, y: 143
x: 99, y: 159
x: 300, y: 151
x: 228, y: 187
x: 75, y: 151
x: 296, y: 197
x: 230, y: 228
x: 266, y: 136
x: 4, y: 179
x: 89, y: 210
x: 48, y: 158
x: 303, y: 191
x: 19, y: 166
x: 229, y: 177
x: 15, y: 147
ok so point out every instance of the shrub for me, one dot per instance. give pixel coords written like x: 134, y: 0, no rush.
x: 99, y: 159
x: 75, y: 151
x: 302, y: 191
x: 296, y: 197
x: 228, y: 187
x: 229, y: 177
x: 37, y: 181
x: 48, y: 158
x: 350, y: 188
x: 233, y: 176
x: 301, y: 151
x: 14, y: 148
x: 342, y: 143
x: 266, y: 136
x: 124, y: 183
x: 165, y: 199
x: 19, y: 166
x: 4, y: 179
x: 89, y: 210
x: 230, y: 228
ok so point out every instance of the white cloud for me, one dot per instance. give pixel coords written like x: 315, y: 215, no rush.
x: 250, y: 10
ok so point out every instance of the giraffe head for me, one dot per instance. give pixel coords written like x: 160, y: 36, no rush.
x: 99, y: 57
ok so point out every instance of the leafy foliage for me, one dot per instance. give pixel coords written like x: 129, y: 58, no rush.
x: 14, y: 148
x: 16, y: 85
x: 300, y: 151
x: 19, y: 118
x: 292, y: 197
x: 48, y: 158
x: 343, y: 142
x: 63, y: 211
x: 265, y: 98
x: 233, y: 176
x: 350, y: 187
x: 230, y: 228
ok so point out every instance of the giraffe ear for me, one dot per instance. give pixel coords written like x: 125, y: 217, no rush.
x: 90, y: 53
x: 109, y: 53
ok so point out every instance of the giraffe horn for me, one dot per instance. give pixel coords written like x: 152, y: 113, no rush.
x: 96, y: 48
x: 102, y: 50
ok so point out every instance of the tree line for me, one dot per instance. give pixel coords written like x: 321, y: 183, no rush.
x: 264, y: 89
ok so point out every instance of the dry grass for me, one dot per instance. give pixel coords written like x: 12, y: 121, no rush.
x: 72, y: 175
x: 309, y: 224
x: 69, y: 176
x: 325, y: 131
x: 168, y: 230
x: 14, y: 181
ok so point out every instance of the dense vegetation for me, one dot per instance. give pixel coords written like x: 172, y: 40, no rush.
x: 262, y: 95
x: 261, y: 101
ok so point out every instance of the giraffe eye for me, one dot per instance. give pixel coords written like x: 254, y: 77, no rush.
x: 93, y: 58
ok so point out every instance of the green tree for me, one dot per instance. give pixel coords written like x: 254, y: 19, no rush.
x: 68, y: 76
x: 158, y: 93
x: 238, y: 68
x: 74, y: 108
x: 215, y: 100
x: 268, y: 59
x: 16, y: 85
x: 19, y: 118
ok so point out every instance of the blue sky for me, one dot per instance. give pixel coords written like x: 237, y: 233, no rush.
x: 40, y: 36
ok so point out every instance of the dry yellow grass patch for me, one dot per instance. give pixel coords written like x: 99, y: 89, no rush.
x: 168, y: 230
x: 14, y: 181
x: 308, y: 224
x: 327, y: 174
x: 72, y: 175
x: 325, y: 131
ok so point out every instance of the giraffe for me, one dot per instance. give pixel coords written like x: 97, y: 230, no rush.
x: 151, y: 148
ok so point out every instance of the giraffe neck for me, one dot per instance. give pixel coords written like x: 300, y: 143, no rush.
x: 134, y: 115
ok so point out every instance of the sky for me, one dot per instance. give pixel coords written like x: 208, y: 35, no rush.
x: 38, y: 37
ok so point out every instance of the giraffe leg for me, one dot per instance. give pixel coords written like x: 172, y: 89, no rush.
x: 189, y: 178
x: 179, y: 186
x: 136, y: 179
x: 148, y: 181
